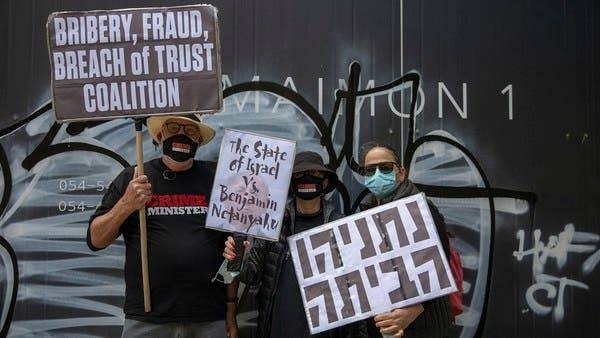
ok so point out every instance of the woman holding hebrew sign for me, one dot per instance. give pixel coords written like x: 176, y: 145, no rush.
x: 386, y: 180
x: 280, y: 307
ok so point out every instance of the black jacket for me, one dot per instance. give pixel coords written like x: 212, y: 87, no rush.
x: 263, y: 268
x: 436, y: 318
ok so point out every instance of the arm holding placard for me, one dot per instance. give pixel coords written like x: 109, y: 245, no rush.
x: 104, y: 229
x: 435, y: 310
x: 235, y: 264
x: 232, y: 247
x: 252, y: 268
x: 394, y: 323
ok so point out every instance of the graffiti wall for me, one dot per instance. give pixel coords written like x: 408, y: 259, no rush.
x: 493, y: 106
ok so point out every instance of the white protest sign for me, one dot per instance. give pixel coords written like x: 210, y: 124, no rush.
x: 134, y: 62
x: 251, y: 184
x: 369, y: 263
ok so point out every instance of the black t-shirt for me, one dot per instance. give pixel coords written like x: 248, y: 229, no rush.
x: 288, y: 316
x: 183, y: 255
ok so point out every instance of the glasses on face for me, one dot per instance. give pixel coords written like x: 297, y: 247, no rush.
x: 384, y: 168
x: 190, y: 130
x: 313, y: 173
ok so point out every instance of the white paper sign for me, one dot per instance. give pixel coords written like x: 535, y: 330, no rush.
x: 251, y: 184
x: 369, y: 263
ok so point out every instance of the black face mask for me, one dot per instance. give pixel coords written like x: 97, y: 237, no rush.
x: 180, y: 147
x: 307, y: 187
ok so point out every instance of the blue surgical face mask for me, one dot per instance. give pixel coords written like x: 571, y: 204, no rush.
x: 380, y: 184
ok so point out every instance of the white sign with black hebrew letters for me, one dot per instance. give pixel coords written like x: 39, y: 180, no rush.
x: 251, y: 184
x: 369, y: 263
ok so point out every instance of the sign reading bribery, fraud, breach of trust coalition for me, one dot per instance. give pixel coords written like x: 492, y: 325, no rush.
x: 135, y: 62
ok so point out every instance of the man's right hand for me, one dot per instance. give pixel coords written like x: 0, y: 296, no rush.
x: 229, y: 251
x: 137, y: 194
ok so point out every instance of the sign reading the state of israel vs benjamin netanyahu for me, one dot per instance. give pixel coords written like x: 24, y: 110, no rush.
x: 134, y: 62
x: 251, y: 184
x: 372, y: 262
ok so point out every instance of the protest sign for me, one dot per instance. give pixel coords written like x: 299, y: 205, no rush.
x: 251, y: 185
x: 134, y: 62
x: 369, y: 263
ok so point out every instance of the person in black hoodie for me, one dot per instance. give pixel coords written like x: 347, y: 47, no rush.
x: 280, y: 309
x: 386, y: 179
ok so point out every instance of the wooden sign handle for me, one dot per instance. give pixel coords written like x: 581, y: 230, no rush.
x: 139, y: 149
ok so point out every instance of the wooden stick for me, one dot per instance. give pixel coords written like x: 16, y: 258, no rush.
x: 139, y: 149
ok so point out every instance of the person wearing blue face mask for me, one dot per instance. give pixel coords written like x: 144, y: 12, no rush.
x: 386, y: 180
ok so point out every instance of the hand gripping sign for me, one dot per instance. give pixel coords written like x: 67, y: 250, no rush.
x: 132, y: 63
x: 381, y: 259
x: 251, y: 185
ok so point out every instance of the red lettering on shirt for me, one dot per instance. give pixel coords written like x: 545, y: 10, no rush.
x: 177, y: 200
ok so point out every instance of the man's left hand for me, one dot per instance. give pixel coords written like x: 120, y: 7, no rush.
x: 395, y: 321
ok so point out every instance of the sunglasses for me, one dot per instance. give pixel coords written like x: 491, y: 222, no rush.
x: 384, y: 168
x: 188, y: 129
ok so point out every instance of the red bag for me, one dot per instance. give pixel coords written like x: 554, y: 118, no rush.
x: 456, y: 298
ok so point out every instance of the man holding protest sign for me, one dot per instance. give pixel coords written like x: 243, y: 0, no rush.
x: 281, y: 312
x: 182, y: 253
x: 386, y: 179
